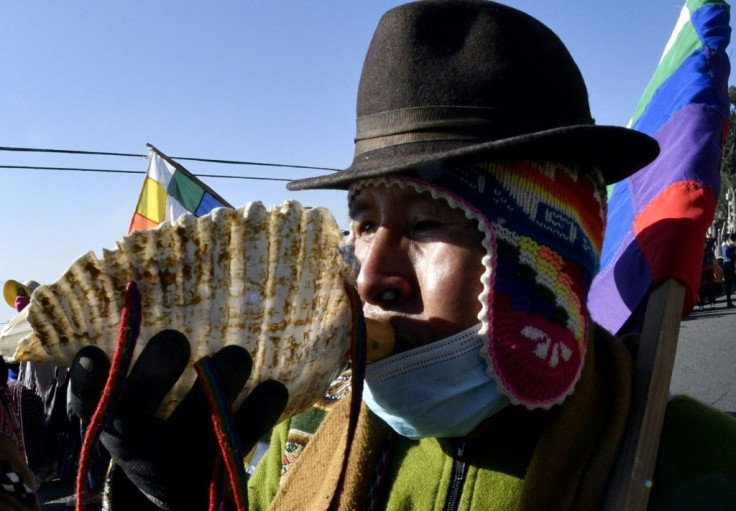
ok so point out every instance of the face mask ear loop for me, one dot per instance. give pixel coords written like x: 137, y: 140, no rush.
x: 358, y: 357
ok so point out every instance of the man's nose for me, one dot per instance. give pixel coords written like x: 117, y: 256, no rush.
x: 385, y: 270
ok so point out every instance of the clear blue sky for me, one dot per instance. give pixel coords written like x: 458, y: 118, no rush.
x: 258, y: 81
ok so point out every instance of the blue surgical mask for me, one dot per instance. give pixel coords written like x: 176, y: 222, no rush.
x: 441, y: 389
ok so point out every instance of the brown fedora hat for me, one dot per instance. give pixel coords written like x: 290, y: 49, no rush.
x: 447, y: 80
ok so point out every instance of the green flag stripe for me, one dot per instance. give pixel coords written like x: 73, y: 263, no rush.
x: 686, y: 43
x: 186, y: 191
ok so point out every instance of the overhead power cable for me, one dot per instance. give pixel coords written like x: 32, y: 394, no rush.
x: 116, y: 171
x: 67, y: 151
x: 207, y: 160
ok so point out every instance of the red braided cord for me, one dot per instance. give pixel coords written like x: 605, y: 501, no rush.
x: 215, y: 488
x: 130, y: 324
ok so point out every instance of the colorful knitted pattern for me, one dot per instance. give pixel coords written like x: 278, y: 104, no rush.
x: 543, y: 226
x: 303, y: 426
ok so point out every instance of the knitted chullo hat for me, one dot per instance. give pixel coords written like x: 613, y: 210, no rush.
x: 543, y: 230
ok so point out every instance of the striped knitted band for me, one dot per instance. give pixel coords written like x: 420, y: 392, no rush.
x: 543, y: 230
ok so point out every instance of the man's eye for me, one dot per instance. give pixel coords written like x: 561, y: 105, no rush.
x: 364, y: 227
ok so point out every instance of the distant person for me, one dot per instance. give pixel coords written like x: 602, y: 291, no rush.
x: 34, y: 375
x: 16, y: 480
x: 30, y: 391
x: 707, y: 281
x: 9, y: 416
x: 728, y: 251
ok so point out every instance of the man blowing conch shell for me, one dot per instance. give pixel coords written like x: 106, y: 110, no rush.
x: 478, y: 202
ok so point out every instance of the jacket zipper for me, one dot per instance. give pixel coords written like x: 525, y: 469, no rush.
x: 457, y: 480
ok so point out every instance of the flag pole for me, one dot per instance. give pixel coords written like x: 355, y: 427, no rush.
x: 191, y: 176
x: 655, y: 358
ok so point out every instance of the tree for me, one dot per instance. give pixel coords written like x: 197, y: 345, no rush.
x: 723, y: 217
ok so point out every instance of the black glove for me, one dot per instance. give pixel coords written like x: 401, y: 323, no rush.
x: 172, y: 460
x: 89, y: 370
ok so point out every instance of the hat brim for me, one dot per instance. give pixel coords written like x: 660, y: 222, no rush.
x: 10, y: 291
x: 618, y: 152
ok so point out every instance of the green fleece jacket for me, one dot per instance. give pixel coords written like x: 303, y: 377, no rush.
x: 696, y: 465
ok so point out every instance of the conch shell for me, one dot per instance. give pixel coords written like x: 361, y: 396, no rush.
x: 270, y: 281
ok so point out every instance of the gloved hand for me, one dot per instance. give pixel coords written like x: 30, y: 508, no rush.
x: 171, y: 460
x: 84, y: 391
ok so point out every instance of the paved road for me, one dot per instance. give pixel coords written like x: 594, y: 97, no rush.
x: 705, y: 364
x: 705, y: 368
